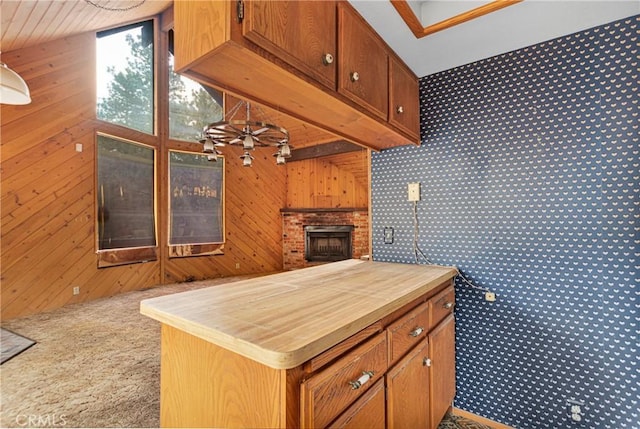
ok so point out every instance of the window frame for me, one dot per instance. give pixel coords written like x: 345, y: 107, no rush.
x: 155, y: 23
x: 125, y: 255
x: 203, y: 248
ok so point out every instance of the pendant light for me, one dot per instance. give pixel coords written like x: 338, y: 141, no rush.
x: 246, y: 133
x: 13, y: 89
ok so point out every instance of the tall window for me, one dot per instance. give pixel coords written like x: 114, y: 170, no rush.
x: 192, y: 106
x: 125, y: 80
x: 196, y: 202
x: 125, y: 195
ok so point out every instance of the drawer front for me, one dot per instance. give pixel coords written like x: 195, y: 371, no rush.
x: 328, y: 393
x: 367, y: 412
x: 407, y: 331
x: 441, y: 306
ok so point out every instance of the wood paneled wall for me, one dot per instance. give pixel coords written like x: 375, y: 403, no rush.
x: 329, y: 182
x: 48, y: 198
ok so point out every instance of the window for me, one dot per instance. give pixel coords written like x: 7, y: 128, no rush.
x: 196, y: 186
x: 125, y: 199
x: 125, y: 79
x: 192, y: 106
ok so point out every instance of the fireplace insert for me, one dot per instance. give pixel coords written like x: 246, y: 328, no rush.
x: 327, y: 242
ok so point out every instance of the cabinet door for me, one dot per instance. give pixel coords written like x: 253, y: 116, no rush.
x: 443, y: 369
x: 329, y: 392
x: 404, y: 105
x: 366, y: 412
x: 301, y: 33
x: 362, y: 62
x: 408, y: 391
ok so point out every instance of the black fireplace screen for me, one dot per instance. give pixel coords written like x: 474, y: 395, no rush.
x: 327, y: 243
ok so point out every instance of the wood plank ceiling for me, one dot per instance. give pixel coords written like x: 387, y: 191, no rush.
x: 27, y: 23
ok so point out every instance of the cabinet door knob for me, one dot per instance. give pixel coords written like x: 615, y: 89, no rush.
x: 448, y: 305
x: 400, y: 109
x: 426, y: 362
x: 366, y: 376
x: 355, y: 77
x: 419, y: 330
x: 327, y: 59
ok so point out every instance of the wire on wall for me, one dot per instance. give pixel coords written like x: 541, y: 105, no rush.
x: 419, y: 255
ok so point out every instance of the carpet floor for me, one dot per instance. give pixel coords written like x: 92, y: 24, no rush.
x: 95, y: 364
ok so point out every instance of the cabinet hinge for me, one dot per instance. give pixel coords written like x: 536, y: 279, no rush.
x: 240, y: 10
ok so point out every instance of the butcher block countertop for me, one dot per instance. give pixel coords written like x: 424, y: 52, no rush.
x: 283, y: 320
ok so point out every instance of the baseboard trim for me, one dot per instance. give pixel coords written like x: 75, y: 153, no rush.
x: 479, y: 419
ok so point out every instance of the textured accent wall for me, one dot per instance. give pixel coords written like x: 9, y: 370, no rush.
x: 529, y: 172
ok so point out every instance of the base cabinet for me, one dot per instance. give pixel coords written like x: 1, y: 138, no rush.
x: 420, y: 381
x: 443, y: 370
x: 399, y: 372
x: 367, y: 412
x: 408, y: 391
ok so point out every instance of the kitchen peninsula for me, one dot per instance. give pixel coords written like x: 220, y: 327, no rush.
x: 310, y: 348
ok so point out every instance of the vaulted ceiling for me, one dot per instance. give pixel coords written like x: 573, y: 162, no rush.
x: 27, y: 23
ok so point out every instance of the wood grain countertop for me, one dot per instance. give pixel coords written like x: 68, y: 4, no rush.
x: 282, y: 320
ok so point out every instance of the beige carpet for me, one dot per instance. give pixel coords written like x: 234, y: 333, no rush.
x: 94, y: 365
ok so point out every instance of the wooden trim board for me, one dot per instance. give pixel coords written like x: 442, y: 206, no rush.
x: 479, y: 419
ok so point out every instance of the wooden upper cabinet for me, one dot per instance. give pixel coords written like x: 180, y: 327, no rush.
x: 404, y: 104
x: 362, y: 62
x: 301, y: 33
x: 274, y: 53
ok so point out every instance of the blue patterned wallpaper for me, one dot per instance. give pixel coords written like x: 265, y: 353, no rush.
x: 529, y: 174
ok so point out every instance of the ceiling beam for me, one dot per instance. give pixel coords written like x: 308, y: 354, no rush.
x: 326, y: 149
x: 419, y: 30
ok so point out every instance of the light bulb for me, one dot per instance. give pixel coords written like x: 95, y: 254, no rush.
x: 246, y: 159
x: 248, y: 143
x: 285, y: 150
x: 208, y: 146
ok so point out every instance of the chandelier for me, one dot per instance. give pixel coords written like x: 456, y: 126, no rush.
x: 249, y: 134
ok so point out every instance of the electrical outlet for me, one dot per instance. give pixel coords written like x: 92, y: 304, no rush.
x: 575, y: 410
x: 414, y: 191
x: 388, y: 235
x: 76, y: 290
x: 490, y: 296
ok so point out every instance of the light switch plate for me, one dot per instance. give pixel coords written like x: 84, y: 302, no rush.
x: 414, y: 191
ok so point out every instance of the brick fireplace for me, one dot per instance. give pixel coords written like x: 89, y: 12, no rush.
x: 294, y: 221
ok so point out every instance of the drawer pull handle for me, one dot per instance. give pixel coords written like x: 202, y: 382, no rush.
x: 366, y: 376
x: 419, y: 330
x: 448, y: 305
x: 400, y: 109
x: 355, y: 76
x: 426, y: 362
x: 327, y: 59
